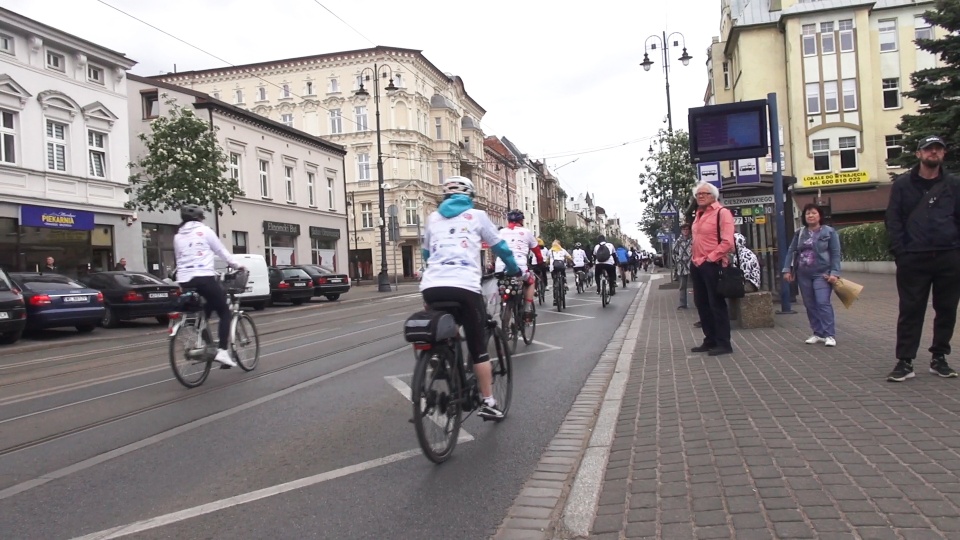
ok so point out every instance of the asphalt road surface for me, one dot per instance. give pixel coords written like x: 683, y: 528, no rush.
x: 98, y: 440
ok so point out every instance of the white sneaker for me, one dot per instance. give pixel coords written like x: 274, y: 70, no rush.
x: 223, y: 356
x: 830, y: 342
x: 814, y: 339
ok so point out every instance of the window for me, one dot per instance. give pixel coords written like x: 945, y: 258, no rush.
x: 888, y: 35
x: 813, y: 98
x: 264, y: 179
x: 312, y: 189
x: 809, y: 40
x: 848, y: 153
x: 234, y: 167
x: 366, y: 215
x: 320, y: 247
x: 849, y: 94
x: 309, y: 88
x: 894, y: 147
x: 846, y: 35
x: 6, y: 44
x: 287, y: 119
x: 891, y: 93
x: 239, y: 242
x: 238, y: 96
x: 261, y: 94
x: 8, y: 137
x: 56, y: 146
x: 334, y: 86
x: 288, y: 180
x: 821, y: 155
x: 286, y: 91
x: 398, y: 80
x: 95, y: 74
x: 922, y: 29
x: 151, y: 104
x: 466, y: 144
x: 439, y: 171
x: 828, y: 43
x: 726, y: 74
x: 358, y: 83
x: 331, y: 201
x: 97, y: 150
x: 56, y: 61
x: 830, y: 103
x: 361, y: 114
x: 336, y: 122
x: 439, y: 126
x: 363, y: 166
x: 411, y: 208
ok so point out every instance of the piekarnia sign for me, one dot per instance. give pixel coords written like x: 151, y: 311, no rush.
x: 55, y: 218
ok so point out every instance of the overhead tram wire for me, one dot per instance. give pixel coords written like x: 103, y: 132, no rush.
x: 345, y: 22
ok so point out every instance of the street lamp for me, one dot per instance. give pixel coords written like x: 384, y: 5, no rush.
x: 665, y: 48
x: 383, y: 281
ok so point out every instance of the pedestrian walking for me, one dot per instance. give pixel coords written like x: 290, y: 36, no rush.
x: 681, y: 262
x: 922, y: 223
x: 748, y: 263
x: 813, y: 260
x: 712, y: 242
x: 121, y: 266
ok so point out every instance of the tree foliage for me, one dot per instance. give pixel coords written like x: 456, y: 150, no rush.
x: 938, y: 88
x: 568, y: 236
x: 184, y: 164
x: 669, y: 174
x: 649, y: 223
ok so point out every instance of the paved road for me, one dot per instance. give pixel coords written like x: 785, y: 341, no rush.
x: 316, y: 442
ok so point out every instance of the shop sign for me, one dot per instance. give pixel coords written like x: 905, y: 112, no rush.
x: 836, y: 179
x: 324, y: 232
x: 282, y: 229
x: 55, y: 218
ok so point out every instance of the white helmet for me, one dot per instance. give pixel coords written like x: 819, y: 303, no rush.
x: 458, y: 184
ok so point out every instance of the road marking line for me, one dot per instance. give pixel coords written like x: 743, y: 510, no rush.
x: 407, y: 392
x: 563, y: 322
x: 564, y: 313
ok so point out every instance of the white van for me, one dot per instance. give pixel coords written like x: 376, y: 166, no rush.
x: 257, y: 294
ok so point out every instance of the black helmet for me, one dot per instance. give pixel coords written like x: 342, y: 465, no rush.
x: 515, y: 216
x: 601, y: 238
x: 191, y: 212
x: 578, y: 245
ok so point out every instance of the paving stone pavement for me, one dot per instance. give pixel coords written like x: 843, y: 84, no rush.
x: 780, y: 439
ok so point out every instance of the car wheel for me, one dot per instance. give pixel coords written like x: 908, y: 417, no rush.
x: 260, y: 306
x: 163, y: 319
x: 333, y: 297
x: 109, y: 319
x: 9, y: 338
x: 85, y: 328
x: 298, y: 301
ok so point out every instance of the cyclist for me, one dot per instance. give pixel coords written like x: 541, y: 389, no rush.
x: 605, y: 259
x: 579, y: 260
x: 623, y: 260
x: 521, y: 241
x: 558, y: 262
x: 453, y: 239
x: 194, y: 246
x: 540, y: 264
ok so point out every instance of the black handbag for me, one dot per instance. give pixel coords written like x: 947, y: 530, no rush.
x: 730, y: 280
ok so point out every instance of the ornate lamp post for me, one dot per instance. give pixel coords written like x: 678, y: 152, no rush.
x: 665, y: 48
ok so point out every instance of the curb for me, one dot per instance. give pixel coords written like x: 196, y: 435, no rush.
x: 559, y: 499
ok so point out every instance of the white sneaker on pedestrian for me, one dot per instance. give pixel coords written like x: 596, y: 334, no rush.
x: 830, y: 342
x: 813, y: 339
x: 223, y: 356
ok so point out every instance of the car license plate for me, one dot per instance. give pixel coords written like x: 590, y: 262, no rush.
x: 159, y: 295
x: 76, y: 299
x: 299, y: 284
x: 4, y: 315
x: 335, y: 280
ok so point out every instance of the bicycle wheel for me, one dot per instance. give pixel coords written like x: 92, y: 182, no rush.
x: 188, y: 353
x: 244, y: 342
x: 623, y: 278
x: 502, y: 372
x: 529, y: 327
x: 561, y: 295
x: 579, y: 283
x: 437, y: 410
x: 510, y: 324
x: 604, y: 294
x: 541, y: 290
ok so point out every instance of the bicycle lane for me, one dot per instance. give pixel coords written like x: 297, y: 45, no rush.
x: 350, y: 428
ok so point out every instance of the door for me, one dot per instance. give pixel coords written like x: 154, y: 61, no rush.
x: 407, y: 254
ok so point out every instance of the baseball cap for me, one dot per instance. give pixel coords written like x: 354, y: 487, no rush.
x: 929, y: 141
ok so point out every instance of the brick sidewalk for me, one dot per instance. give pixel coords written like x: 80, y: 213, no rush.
x: 782, y: 439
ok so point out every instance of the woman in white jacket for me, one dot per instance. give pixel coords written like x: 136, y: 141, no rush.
x: 194, y: 246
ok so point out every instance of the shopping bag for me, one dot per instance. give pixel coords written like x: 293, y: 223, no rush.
x: 847, y: 291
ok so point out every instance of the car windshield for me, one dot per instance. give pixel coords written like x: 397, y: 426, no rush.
x: 322, y: 270
x: 49, y: 283
x: 133, y: 280
x: 293, y: 273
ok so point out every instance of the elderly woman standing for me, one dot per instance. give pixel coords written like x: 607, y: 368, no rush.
x: 712, y: 242
x: 816, y: 248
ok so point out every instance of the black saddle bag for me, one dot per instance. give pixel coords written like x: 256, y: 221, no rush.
x: 430, y: 326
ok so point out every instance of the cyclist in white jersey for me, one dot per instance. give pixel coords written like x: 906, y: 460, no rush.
x: 453, y: 238
x: 520, y: 240
x: 579, y: 259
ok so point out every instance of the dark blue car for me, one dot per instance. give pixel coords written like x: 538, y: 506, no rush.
x: 55, y: 301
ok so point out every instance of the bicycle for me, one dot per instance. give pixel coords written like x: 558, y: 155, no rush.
x: 444, y: 385
x: 513, y: 320
x: 559, y: 290
x: 623, y: 276
x: 604, y: 289
x: 541, y: 288
x: 580, y: 277
x: 190, y: 334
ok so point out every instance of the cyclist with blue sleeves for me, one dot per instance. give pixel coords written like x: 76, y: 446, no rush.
x: 453, y: 239
x: 623, y: 259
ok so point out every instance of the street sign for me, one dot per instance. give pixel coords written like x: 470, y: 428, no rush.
x: 392, y: 210
x: 668, y: 209
x: 393, y: 228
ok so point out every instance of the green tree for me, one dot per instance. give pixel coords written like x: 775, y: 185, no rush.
x: 649, y: 223
x: 668, y: 175
x: 938, y: 88
x: 184, y: 164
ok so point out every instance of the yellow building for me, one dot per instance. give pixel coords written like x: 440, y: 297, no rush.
x: 838, y: 68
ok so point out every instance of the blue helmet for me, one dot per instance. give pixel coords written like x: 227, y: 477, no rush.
x: 515, y: 216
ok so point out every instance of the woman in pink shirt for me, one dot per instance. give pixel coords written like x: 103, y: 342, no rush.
x: 712, y: 242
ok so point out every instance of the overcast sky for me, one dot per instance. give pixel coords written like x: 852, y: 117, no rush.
x: 562, y: 82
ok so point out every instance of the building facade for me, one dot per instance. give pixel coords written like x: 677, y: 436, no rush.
x: 500, y: 179
x: 429, y: 130
x: 550, y: 195
x: 527, y: 187
x: 293, y: 209
x: 64, y: 154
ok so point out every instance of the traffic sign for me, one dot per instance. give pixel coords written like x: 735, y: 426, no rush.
x: 668, y: 209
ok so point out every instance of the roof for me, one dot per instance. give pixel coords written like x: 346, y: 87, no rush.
x: 206, y: 101
x: 29, y: 25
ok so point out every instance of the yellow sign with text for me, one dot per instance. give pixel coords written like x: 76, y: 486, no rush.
x: 836, y: 179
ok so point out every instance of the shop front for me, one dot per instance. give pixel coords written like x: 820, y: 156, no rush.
x: 280, y: 242
x: 323, y: 247
x: 848, y: 198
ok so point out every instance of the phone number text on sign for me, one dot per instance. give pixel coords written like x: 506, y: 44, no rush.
x: 836, y: 179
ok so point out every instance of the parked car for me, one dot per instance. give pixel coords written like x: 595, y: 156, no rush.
x: 257, y: 293
x: 53, y: 301
x: 290, y: 285
x: 326, y: 282
x: 13, y: 312
x: 133, y: 295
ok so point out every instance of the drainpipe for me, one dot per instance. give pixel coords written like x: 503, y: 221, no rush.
x: 346, y: 215
x: 216, y: 209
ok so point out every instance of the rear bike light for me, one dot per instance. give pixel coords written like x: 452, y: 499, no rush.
x: 422, y: 346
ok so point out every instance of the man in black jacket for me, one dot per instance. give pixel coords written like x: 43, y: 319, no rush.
x: 923, y: 222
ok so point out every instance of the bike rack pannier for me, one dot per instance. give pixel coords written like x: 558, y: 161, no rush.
x: 430, y: 326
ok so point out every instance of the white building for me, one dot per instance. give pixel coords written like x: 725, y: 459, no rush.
x: 293, y: 210
x: 64, y: 151
x: 528, y: 192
